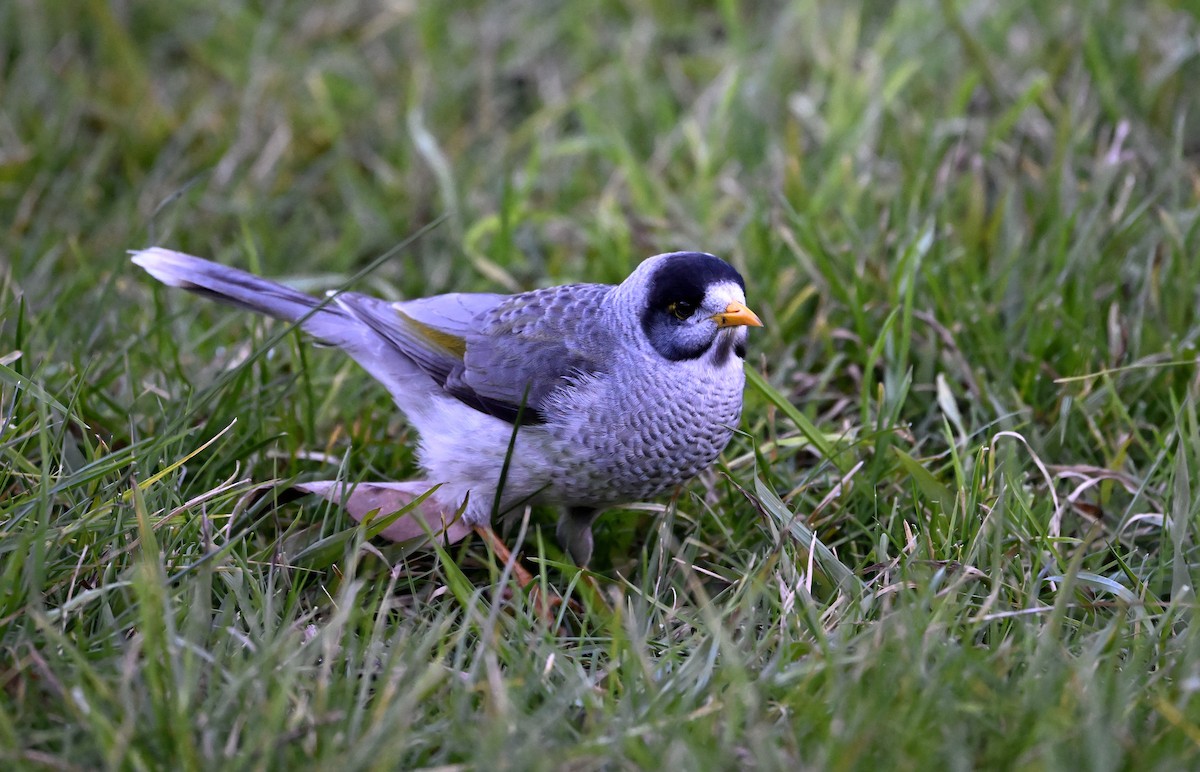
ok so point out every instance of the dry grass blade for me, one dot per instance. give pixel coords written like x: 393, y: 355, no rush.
x: 822, y: 557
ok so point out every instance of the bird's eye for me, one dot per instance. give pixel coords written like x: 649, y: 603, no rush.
x: 682, y: 309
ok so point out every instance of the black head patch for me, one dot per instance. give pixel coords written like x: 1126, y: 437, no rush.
x: 686, y: 276
x: 677, y: 289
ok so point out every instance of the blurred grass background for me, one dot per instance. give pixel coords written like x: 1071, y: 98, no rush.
x: 970, y: 227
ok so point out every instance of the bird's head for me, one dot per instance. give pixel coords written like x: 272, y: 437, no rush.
x: 690, y: 305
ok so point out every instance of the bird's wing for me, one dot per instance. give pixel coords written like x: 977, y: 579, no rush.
x: 535, y: 343
x: 500, y: 354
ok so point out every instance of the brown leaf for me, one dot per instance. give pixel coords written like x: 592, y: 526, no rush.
x: 385, y: 498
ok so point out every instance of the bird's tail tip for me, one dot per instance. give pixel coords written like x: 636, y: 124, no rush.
x: 166, y: 265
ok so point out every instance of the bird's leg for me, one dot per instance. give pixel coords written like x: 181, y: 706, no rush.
x: 574, y: 533
x: 543, y: 606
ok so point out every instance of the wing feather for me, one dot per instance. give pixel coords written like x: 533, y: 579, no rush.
x: 501, y: 354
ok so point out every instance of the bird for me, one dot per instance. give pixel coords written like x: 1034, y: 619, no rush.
x: 579, y: 396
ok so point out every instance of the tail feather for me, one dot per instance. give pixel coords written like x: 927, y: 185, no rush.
x: 330, y: 322
x: 225, y: 284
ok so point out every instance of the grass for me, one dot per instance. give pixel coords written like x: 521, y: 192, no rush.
x: 959, y: 529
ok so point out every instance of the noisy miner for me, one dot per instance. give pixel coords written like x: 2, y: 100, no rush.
x: 582, y: 396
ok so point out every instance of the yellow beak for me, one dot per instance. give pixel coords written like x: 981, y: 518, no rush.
x: 736, y: 314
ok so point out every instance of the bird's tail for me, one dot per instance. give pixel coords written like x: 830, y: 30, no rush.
x: 328, y: 321
x: 333, y: 323
x: 231, y: 286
